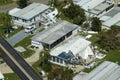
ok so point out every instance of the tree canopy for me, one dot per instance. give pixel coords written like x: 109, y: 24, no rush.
x: 96, y: 24
x: 75, y: 12
x: 22, y: 3
x: 44, y: 63
x: 60, y: 74
x: 5, y: 23
x: 110, y: 39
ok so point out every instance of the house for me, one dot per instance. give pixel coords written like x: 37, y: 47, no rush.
x: 55, y: 34
x: 95, y: 7
x: 72, y: 51
x: 30, y: 15
x: 105, y: 71
x: 1, y: 76
x: 111, y: 18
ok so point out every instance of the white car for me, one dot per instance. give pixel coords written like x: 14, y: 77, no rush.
x: 29, y: 29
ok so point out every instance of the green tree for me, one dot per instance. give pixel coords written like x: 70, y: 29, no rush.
x: 96, y: 24
x: 5, y: 23
x: 22, y: 3
x: 109, y: 39
x: 60, y: 74
x: 45, y: 64
x: 75, y: 12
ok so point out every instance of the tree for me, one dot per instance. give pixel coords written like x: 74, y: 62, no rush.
x: 6, y: 23
x: 60, y: 74
x: 45, y: 64
x: 108, y: 39
x: 96, y: 24
x: 76, y: 13
x: 22, y: 3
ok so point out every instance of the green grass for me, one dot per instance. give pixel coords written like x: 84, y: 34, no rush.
x: 83, y: 34
x: 113, y: 56
x: 11, y: 76
x: 94, y: 38
x: 4, y: 2
x: 41, y: 29
x: 14, y: 32
x: 25, y: 43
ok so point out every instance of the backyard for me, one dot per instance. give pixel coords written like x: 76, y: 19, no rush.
x: 112, y: 55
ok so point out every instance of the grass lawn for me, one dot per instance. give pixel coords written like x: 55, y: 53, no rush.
x: 11, y: 76
x: 94, y: 38
x: 4, y: 2
x: 14, y: 32
x: 41, y: 29
x: 25, y: 43
x: 114, y: 56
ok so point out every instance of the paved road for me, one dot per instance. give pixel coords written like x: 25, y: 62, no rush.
x: 16, y: 62
x: 17, y: 37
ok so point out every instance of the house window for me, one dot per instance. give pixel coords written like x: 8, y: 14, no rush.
x: 53, y: 58
x: 61, y: 61
x: 58, y: 60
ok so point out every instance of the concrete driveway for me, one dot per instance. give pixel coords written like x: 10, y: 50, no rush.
x: 17, y: 37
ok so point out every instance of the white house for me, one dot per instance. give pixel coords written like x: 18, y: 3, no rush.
x: 30, y: 15
x: 73, y: 51
x: 95, y: 7
x: 1, y: 76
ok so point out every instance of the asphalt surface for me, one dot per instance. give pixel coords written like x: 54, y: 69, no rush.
x: 17, y: 37
x: 19, y: 59
x: 13, y: 66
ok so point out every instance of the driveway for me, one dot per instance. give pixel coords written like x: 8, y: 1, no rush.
x: 17, y: 37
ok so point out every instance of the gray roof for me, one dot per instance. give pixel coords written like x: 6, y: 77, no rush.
x: 113, y: 12
x: 31, y: 11
x: 54, y: 32
x: 113, y: 17
x: 100, y: 8
x: 106, y: 71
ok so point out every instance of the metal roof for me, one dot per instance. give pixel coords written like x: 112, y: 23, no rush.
x: 54, y: 32
x: 31, y: 11
x: 112, y: 21
x: 95, y: 6
x: 88, y: 4
x: 106, y: 71
x: 77, y: 45
x: 112, y: 17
